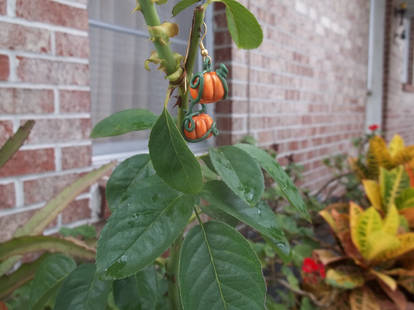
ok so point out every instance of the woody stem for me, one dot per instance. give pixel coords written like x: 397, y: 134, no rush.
x: 192, y: 49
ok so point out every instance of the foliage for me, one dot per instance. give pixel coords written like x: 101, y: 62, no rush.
x: 380, y: 155
x: 153, y: 197
x: 375, y: 244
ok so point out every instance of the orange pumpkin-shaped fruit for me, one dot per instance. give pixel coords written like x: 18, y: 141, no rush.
x: 213, y: 88
x: 202, y: 123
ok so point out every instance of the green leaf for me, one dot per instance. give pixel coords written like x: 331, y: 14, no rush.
x: 13, y: 144
x: 288, y: 189
x: 53, y: 270
x: 42, y: 218
x: 182, y: 5
x: 405, y: 199
x: 345, y: 277
x: 83, y: 290
x: 140, y: 291
x: 85, y: 231
x: 243, y: 25
x: 130, y: 171
x: 24, y: 245
x: 172, y: 159
x: 219, y: 270
x: 239, y: 171
x: 142, y: 229
x: 260, y: 218
x: 124, y: 122
x: 392, y: 183
x: 10, y: 283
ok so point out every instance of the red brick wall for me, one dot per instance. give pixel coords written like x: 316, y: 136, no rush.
x: 398, y: 97
x: 44, y: 75
x: 303, y: 92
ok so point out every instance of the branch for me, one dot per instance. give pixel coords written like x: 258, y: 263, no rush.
x: 164, y: 51
x: 300, y: 292
x: 192, y: 49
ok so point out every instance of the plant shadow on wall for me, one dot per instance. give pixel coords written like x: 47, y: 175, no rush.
x: 154, y: 197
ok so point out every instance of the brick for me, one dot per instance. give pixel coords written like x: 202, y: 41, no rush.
x: 45, y: 188
x: 28, y: 162
x: 21, y: 38
x: 6, y: 131
x: 76, y: 211
x: 21, y: 101
x: 60, y: 130
x: 8, y: 196
x: 50, y: 12
x: 51, y: 72
x: 4, y: 68
x: 71, y: 45
x: 10, y: 223
x: 76, y: 157
x: 75, y: 101
x: 3, y: 7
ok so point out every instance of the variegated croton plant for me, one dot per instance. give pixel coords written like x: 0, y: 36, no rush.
x: 372, y: 264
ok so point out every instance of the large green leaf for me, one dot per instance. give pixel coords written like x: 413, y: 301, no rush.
x: 83, y: 290
x: 260, y: 218
x: 142, y: 291
x: 53, y: 270
x: 124, y: 176
x: 13, y: 144
x: 172, y: 159
x: 239, y: 171
x: 124, y: 122
x: 288, y: 189
x: 219, y: 270
x: 182, y: 5
x: 9, y: 283
x: 42, y: 218
x: 143, y: 228
x: 24, y: 245
x: 243, y: 25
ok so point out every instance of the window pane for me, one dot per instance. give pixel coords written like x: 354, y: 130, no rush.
x: 119, y: 80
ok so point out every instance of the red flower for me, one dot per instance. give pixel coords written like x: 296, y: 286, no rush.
x: 373, y: 127
x: 309, y: 265
x: 322, y: 271
x: 313, y: 271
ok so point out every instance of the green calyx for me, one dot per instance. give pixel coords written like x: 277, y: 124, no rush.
x: 137, y: 8
x: 163, y: 32
x: 177, y: 76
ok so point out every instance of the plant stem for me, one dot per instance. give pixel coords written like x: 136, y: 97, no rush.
x: 172, y: 271
x: 192, y: 49
x: 163, y: 49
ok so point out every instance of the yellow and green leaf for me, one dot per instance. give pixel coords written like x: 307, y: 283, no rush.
x: 379, y: 242
x: 372, y: 189
x: 386, y: 279
x: 392, y: 183
x: 405, y: 199
x: 363, y: 299
x: 368, y: 222
x: 345, y: 278
x: 406, y: 244
x: 396, y: 145
x: 354, y: 213
x: 391, y: 221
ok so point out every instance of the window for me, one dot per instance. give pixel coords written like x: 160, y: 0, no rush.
x: 408, y: 65
x: 119, y: 81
